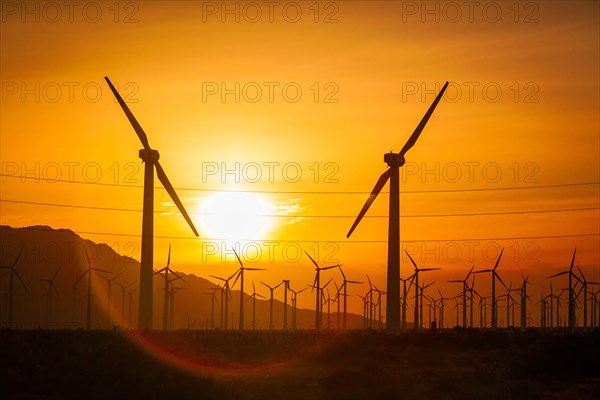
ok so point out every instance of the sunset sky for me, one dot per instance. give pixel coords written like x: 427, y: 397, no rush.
x: 521, y: 111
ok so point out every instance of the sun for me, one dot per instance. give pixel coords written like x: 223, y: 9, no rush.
x: 236, y: 216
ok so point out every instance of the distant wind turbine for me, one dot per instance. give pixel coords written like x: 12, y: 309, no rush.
x: 11, y: 293
x: 494, y: 300
x: 51, y: 288
x: 417, y: 323
x: 88, y: 272
x: 241, y: 277
x: 317, y: 285
x: 109, y: 281
x: 150, y: 158
x: 464, y: 294
x: 344, y: 287
x: 571, y: 321
x: 271, y: 288
x: 395, y: 161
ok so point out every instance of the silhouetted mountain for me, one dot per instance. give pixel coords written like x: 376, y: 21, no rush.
x: 47, y: 250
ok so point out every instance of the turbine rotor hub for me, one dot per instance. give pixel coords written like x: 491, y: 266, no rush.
x: 393, y: 159
x: 149, y: 155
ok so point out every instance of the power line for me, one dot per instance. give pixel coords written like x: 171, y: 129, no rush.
x: 307, y: 192
x: 312, y: 216
x: 330, y: 241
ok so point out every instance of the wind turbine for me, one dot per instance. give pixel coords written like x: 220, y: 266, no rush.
x: 174, y: 290
x: 253, y: 297
x: 271, y: 303
x: 317, y: 285
x: 88, y: 272
x: 286, y: 288
x: 345, y: 294
x: 405, y: 299
x: 524, y: 299
x: 130, y: 295
x: 584, y: 283
x: 123, y: 289
x: 508, y: 300
x: 167, y: 293
x: 570, y: 290
x: 394, y: 162
x: 213, y: 298
x: 294, y: 306
x: 416, y: 281
x: 422, y: 291
x: 494, y: 277
x: 109, y: 282
x: 240, y: 275
x: 150, y: 158
x: 464, y: 293
x: 11, y: 293
x: 225, y: 298
x: 51, y: 287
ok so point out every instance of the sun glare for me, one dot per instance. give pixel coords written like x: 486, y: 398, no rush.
x: 236, y: 216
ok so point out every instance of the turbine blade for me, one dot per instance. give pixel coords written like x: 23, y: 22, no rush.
x: 413, y: 138
x: 255, y: 269
x: 342, y: 271
x: 500, y: 279
x: 498, y: 260
x: 238, y: 257
x: 378, y: 186
x: 411, y: 260
x: 560, y: 273
x: 311, y: 259
x: 169, y: 256
x: 55, y: 274
x: 18, y: 257
x: 167, y: 185
x: 428, y: 269
x: 239, y: 273
x: 136, y: 126
x: 573, y: 259
x: 470, y: 272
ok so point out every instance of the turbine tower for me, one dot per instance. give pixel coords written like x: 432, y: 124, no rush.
x: 395, y: 161
x: 150, y: 158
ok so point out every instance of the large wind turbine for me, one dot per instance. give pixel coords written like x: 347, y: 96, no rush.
x: 417, y: 324
x: 395, y: 161
x: 11, y: 294
x: 240, y: 274
x: 317, y: 285
x: 150, y: 158
x: 464, y: 293
x: 494, y: 277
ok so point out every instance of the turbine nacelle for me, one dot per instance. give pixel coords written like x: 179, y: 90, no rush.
x: 394, y: 159
x: 149, y: 155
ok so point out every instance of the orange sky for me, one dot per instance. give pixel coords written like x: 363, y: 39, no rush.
x: 377, y: 58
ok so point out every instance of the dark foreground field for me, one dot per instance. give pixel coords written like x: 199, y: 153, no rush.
x: 357, y: 365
